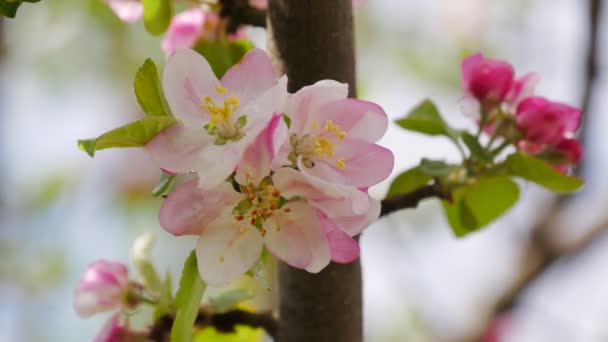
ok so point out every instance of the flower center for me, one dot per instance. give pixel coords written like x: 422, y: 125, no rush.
x: 320, y: 144
x: 222, y: 122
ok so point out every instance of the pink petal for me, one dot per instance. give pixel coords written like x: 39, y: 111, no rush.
x: 359, y: 119
x: 260, y: 4
x: 112, y: 330
x: 101, y: 288
x: 184, y: 31
x: 127, y: 10
x: 255, y: 164
x: 186, y: 79
x: 227, y: 249
x: 178, y: 148
x: 294, y: 235
x: 344, y: 249
x: 468, y: 66
x: 365, y: 164
x: 251, y: 77
x: 189, y: 209
x: 486, y: 78
x: 355, y: 224
x: 522, y: 88
x: 309, y: 100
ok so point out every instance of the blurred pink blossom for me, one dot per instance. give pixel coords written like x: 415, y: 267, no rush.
x: 486, y: 79
x: 127, y: 10
x: 103, y: 287
x: 546, y: 122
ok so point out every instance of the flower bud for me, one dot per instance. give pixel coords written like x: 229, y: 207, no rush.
x: 103, y: 287
x: 571, y: 150
x: 487, y: 80
x: 546, y: 122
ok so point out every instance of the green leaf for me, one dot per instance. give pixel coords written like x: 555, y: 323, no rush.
x: 230, y: 299
x: 157, y: 15
x: 408, y: 181
x: 425, y: 118
x: 222, y: 53
x: 541, y: 173
x: 135, y: 134
x: 476, y: 205
x: 475, y: 147
x: 437, y: 168
x: 241, y: 333
x: 163, y: 185
x: 187, y: 301
x: 148, y: 90
x: 8, y: 8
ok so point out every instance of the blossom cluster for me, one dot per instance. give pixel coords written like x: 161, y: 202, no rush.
x: 288, y: 172
x: 507, y: 107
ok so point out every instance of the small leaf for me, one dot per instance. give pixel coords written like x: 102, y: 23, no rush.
x: 230, y: 299
x: 157, y: 15
x: 287, y: 120
x: 163, y: 185
x: 541, y: 173
x: 476, y: 205
x: 408, y: 181
x: 148, y: 90
x: 437, y: 168
x: 425, y: 118
x: 8, y: 8
x: 475, y: 147
x: 187, y: 301
x: 135, y: 134
x: 222, y: 53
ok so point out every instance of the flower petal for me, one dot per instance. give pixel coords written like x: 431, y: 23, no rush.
x: 296, y: 238
x: 359, y: 119
x: 344, y: 249
x: 189, y: 209
x: 309, y: 99
x: 178, y: 148
x: 226, y: 250
x: 250, y: 77
x: 127, y: 10
x: 354, y: 225
x: 365, y: 164
x: 260, y: 154
x: 183, y: 32
x: 186, y: 79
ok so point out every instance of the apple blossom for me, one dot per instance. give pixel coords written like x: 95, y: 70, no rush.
x: 219, y: 118
x: 546, y: 122
x: 486, y: 79
x: 127, y: 10
x: 296, y: 217
x: 333, y: 138
x: 103, y: 287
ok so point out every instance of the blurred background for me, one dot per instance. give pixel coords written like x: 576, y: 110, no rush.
x: 538, y: 274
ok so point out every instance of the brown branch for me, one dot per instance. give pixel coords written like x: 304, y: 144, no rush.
x: 238, y: 13
x: 411, y: 199
x: 225, y: 322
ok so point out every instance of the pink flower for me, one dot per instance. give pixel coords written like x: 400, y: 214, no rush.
x: 571, y: 150
x: 546, y: 122
x: 103, y: 287
x: 333, y: 138
x: 303, y: 223
x: 127, y: 10
x: 218, y: 119
x: 184, y: 31
x: 486, y: 79
x: 521, y: 89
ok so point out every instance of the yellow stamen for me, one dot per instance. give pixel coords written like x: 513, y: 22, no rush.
x: 340, y: 163
x: 220, y: 89
x: 314, y: 124
x: 324, y: 147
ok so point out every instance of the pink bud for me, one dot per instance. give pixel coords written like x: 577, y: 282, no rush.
x: 103, y: 287
x: 546, y: 122
x: 486, y: 79
x: 571, y: 149
x: 185, y: 29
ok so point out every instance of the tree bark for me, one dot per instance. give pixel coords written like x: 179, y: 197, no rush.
x: 312, y: 40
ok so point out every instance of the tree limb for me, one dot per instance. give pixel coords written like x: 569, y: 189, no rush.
x: 411, y: 199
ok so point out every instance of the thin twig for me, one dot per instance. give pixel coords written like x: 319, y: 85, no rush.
x: 411, y: 199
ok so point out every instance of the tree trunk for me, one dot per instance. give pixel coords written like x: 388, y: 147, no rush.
x: 312, y: 40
